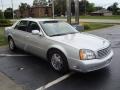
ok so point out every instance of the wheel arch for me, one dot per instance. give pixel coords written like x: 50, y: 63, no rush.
x: 56, y: 48
x: 9, y: 36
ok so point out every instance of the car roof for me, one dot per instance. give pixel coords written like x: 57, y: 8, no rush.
x: 38, y: 19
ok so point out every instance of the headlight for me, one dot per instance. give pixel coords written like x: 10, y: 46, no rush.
x: 86, y: 54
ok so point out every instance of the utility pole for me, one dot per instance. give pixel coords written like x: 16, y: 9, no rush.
x: 68, y: 2
x: 85, y: 6
x: 53, y: 9
x: 12, y: 8
x: 77, y: 11
x: 2, y: 9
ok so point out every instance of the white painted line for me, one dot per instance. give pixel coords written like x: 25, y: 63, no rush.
x: 13, y: 55
x: 55, y: 81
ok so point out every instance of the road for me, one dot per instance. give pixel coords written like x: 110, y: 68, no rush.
x: 33, y: 72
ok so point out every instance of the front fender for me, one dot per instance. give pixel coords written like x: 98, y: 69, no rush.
x: 62, y: 49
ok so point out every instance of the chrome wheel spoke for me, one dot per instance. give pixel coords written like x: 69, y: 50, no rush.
x: 11, y: 44
x: 56, y: 61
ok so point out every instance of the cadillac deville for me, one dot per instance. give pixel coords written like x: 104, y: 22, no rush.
x: 60, y: 44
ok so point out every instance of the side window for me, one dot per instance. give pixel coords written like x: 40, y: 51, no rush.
x: 33, y: 26
x: 22, y: 25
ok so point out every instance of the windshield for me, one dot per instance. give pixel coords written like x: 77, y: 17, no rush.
x: 57, y: 28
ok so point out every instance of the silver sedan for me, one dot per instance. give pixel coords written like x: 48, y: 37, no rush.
x: 60, y: 44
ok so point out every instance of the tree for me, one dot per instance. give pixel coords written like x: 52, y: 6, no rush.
x: 98, y: 8
x: 73, y: 7
x: 114, y: 8
x: 60, y: 7
x: 40, y: 2
x: 23, y: 7
x: 85, y: 7
x: 118, y: 11
x: 1, y: 14
x: 49, y: 2
x: 8, y: 13
x: 90, y: 7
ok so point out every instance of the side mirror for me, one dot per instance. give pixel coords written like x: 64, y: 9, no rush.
x: 37, y: 32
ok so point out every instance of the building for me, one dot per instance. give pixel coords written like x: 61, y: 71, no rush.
x: 35, y: 11
x: 41, y: 11
x: 102, y: 12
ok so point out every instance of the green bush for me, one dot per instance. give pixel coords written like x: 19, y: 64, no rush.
x: 5, y: 22
x: 94, y: 26
x: 86, y: 26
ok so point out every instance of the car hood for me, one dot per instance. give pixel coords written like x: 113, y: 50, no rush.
x: 82, y: 41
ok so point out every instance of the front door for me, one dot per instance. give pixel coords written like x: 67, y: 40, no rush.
x: 35, y: 43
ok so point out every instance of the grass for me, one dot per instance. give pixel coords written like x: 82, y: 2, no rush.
x: 100, y: 17
x: 97, y: 17
x: 88, y: 27
x: 95, y: 26
x: 3, y: 40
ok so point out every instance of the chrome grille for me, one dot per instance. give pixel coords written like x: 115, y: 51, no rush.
x: 104, y: 52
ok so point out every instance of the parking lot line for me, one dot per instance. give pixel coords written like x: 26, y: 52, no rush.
x: 13, y: 55
x: 55, y: 81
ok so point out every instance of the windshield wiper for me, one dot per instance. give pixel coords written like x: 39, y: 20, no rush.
x: 59, y: 34
x: 73, y: 32
x: 64, y: 34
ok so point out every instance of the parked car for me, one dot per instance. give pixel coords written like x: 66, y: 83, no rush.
x: 60, y: 44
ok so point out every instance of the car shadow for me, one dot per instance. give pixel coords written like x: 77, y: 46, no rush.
x: 96, y: 80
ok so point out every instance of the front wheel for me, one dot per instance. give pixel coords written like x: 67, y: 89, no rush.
x: 11, y: 43
x: 58, y: 62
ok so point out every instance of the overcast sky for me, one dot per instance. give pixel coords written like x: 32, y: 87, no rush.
x: 104, y: 3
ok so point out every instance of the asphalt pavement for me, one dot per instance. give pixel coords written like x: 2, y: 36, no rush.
x: 33, y: 72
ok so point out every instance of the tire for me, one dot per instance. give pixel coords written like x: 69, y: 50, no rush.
x: 58, y: 61
x: 11, y: 43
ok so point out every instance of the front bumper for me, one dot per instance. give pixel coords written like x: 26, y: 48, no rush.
x: 90, y: 65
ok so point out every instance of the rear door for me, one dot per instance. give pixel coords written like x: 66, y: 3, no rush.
x: 20, y: 33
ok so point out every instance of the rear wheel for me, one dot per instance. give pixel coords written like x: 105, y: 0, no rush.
x: 58, y: 61
x: 11, y: 43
